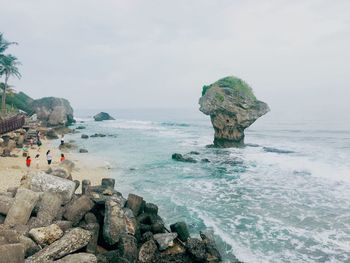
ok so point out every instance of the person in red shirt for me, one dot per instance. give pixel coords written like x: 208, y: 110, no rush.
x: 28, y: 161
x: 62, y: 157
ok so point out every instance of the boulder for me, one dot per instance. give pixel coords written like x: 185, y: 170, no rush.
x: 83, y: 151
x: 8, y: 236
x: 48, y: 208
x: 210, y: 246
x: 182, y: 158
x: 94, y: 229
x: 53, y: 111
x: 76, y: 211
x: 181, y: 229
x: 135, y: 203
x: 114, y: 224
x: 5, y: 204
x: 46, y: 235
x: 85, y: 136
x: 51, y: 134
x: 42, y: 182
x: 108, y: 183
x: 78, y: 257
x: 103, y: 116
x: 12, y: 253
x: 165, y: 240
x: 72, y: 241
x: 64, y: 225
x: 30, y: 247
x: 151, y: 209
x: 232, y: 108
x: 128, y: 248
x: 22, y: 207
x: 147, y: 251
x: 196, y: 248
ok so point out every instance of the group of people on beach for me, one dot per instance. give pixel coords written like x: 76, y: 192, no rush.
x: 48, y: 159
x: 49, y: 156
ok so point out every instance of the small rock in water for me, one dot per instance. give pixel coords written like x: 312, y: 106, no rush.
x: 181, y: 158
x: 103, y: 116
x: 274, y: 150
x: 85, y: 136
x: 83, y: 151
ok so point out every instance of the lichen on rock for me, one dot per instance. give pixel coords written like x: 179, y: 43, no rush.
x: 232, y: 107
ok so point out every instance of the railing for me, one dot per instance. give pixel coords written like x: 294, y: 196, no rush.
x: 11, y: 124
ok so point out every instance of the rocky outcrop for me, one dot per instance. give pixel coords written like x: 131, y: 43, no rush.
x: 100, y: 226
x: 232, y: 107
x: 53, y: 111
x: 103, y: 116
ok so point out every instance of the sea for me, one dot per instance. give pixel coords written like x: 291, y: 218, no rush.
x: 284, y: 197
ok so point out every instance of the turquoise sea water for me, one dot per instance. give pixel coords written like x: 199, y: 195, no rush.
x: 283, y: 198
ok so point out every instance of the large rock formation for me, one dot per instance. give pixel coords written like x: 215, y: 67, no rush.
x: 232, y: 107
x: 53, y: 111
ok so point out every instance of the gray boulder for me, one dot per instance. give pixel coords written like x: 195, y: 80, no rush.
x: 135, y: 203
x: 165, y: 240
x: 78, y: 257
x: 72, y: 241
x: 42, y: 182
x: 22, y: 207
x: 147, y: 251
x: 181, y: 229
x: 12, y: 253
x: 114, y: 224
x: 103, y: 116
x: 182, y: 158
x: 48, y: 208
x: 196, y: 248
x: 76, y: 211
x: 5, y: 204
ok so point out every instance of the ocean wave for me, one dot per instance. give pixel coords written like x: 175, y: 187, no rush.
x: 175, y: 124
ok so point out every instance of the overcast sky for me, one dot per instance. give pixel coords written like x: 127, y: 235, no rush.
x: 149, y: 54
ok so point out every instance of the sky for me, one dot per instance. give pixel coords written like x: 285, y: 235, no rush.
x: 108, y: 54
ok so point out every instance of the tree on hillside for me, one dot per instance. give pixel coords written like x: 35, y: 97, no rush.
x: 8, y: 67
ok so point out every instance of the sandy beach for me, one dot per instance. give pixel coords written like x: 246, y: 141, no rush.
x: 13, y: 168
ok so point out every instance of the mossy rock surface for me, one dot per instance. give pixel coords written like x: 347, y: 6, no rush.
x: 240, y: 87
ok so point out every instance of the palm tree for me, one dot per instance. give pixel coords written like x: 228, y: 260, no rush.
x: 4, y: 44
x: 8, y: 67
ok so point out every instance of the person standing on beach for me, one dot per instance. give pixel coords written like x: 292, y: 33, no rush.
x: 48, y: 157
x: 28, y: 162
x: 62, y: 157
x: 62, y: 139
x: 37, y: 161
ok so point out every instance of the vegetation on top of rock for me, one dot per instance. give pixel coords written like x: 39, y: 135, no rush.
x: 234, y: 83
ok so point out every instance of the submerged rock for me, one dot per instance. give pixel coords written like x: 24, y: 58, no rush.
x: 232, y: 107
x: 181, y: 158
x: 103, y: 116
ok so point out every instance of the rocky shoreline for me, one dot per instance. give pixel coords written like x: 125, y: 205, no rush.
x: 44, y: 220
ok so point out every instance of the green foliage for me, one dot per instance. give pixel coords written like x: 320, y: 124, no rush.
x: 219, y: 97
x: 236, y: 84
x: 19, y: 101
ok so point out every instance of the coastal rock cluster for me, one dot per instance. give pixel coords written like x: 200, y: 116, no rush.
x: 45, y: 220
x: 232, y: 108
